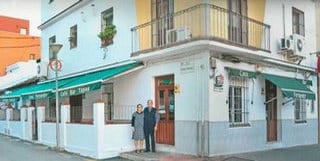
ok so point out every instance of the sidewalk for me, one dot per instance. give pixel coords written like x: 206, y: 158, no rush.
x: 299, y: 153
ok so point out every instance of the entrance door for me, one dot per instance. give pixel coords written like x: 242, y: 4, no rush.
x: 34, y: 121
x: 166, y: 107
x: 161, y: 11
x: 271, y: 111
x: 238, y: 25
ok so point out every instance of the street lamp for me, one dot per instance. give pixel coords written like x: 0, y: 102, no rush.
x: 55, y: 48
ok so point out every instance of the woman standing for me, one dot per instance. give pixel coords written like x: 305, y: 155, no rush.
x: 137, y: 128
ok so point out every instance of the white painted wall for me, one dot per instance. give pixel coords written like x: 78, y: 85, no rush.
x: 138, y: 87
x: 117, y: 139
x: 15, y: 128
x: 81, y: 139
x: 274, y: 17
x: 88, y: 53
x: 218, y: 108
x: 3, y: 125
x: 48, y: 135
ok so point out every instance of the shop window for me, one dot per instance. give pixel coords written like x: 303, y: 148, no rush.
x: 238, y: 101
x: 73, y: 37
x: 298, y: 22
x: 300, y: 110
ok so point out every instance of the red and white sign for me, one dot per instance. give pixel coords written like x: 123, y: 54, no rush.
x: 55, y: 65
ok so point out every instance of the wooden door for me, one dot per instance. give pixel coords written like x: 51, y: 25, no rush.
x: 165, y: 105
x: 271, y: 111
x: 238, y: 23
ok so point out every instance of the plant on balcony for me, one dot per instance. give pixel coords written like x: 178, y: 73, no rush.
x: 107, y: 35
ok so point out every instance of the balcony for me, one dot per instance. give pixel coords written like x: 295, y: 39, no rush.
x: 201, y: 22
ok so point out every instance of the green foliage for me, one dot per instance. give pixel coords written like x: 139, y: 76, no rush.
x: 108, y: 32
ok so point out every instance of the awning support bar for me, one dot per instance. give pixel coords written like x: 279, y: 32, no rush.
x: 271, y: 100
x: 284, y: 103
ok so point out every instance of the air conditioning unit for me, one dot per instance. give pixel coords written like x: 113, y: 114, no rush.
x: 42, y: 70
x: 286, y: 44
x: 299, y: 45
x: 178, y: 34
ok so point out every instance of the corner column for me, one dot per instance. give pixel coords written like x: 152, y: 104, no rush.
x: 23, y: 117
x: 40, y: 119
x: 9, y: 115
x: 29, y: 123
x: 98, y: 121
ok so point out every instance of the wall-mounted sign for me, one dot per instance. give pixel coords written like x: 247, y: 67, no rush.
x: 187, y: 67
x: 177, y: 88
x: 219, y: 81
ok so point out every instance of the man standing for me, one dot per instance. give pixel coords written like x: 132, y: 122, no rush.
x: 150, y: 125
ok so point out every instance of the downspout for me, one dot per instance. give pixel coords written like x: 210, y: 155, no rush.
x: 318, y: 85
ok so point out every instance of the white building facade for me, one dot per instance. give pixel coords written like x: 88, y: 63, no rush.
x: 220, y: 78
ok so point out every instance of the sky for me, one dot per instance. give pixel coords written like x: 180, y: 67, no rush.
x: 25, y: 9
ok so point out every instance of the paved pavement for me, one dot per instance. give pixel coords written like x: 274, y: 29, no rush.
x: 12, y: 149
x: 300, y: 153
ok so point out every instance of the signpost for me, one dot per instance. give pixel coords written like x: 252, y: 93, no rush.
x: 56, y: 65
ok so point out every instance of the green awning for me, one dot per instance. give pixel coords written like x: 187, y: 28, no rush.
x: 241, y: 73
x: 68, y: 86
x: 92, y: 81
x: 290, y: 87
x: 305, y: 82
x: 7, y: 100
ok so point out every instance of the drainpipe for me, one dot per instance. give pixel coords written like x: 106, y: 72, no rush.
x: 318, y: 85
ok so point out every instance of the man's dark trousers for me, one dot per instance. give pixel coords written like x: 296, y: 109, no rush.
x: 149, y: 124
x: 150, y: 133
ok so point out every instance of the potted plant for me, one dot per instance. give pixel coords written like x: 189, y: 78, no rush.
x: 107, y: 35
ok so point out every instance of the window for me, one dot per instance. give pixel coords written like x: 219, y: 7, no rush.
x: 300, y: 110
x: 23, y: 31
x: 298, y: 22
x: 76, y: 110
x: 52, y: 40
x: 106, y: 18
x: 73, y: 37
x: 238, y: 101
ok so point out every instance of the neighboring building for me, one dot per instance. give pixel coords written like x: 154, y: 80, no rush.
x: 15, y: 47
x: 227, y: 76
x: 15, y: 25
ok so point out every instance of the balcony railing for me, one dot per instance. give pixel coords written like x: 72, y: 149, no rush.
x: 201, y: 22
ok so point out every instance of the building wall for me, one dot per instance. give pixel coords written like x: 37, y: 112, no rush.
x: 88, y: 53
x: 15, y: 25
x: 139, y: 86
x: 224, y: 139
x: 17, y: 48
x: 274, y: 17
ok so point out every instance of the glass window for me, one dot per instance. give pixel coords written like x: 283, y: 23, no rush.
x: 106, y: 18
x: 298, y: 22
x: 300, y: 110
x: 73, y: 37
x: 238, y: 100
x: 52, y: 40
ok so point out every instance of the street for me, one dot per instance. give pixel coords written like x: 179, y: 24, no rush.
x: 12, y: 149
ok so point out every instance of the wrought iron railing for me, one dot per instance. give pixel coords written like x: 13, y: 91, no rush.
x: 203, y: 21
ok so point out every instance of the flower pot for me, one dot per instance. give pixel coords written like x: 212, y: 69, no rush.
x: 106, y: 42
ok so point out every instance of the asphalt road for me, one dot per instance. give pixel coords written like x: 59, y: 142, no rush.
x: 12, y: 149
